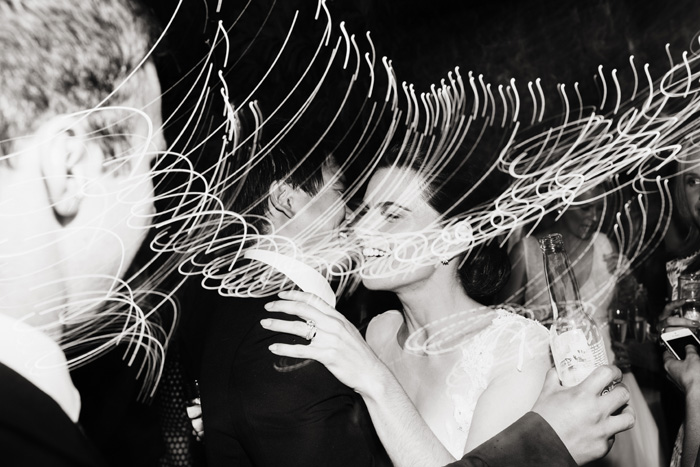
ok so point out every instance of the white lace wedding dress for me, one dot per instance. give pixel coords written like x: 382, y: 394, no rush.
x: 445, y: 376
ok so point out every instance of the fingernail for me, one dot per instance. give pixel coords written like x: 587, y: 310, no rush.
x: 269, y: 305
x: 265, y: 322
x: 283, y: 294
x: 273, y: 347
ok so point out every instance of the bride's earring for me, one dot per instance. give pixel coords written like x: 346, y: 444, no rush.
x: 444, y: 260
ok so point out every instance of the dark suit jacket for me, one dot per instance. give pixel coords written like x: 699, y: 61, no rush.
x: 34, y: 429
x: 264, y: 410
x: 125, y: 431
x: 529, y: 442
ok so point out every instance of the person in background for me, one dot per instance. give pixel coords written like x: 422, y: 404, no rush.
x: 686, y: 375
x: 589, y: 252
x: 682, y: 244
x: 593, y: 259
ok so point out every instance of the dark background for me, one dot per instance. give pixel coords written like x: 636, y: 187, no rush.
x: 555, y: 40
x: 558, y: 41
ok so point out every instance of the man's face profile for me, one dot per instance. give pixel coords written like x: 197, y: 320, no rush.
x: 71, y: 216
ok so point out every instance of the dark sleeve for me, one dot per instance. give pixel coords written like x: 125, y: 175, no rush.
x: 125, y: 430
x: 35, y: 431
x: 529, y: 442
x: 293, y: 412
x: 275, y: 410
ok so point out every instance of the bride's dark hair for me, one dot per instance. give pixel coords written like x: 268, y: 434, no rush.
x: 486, y: 268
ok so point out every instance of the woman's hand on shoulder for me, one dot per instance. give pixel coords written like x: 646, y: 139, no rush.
x: 333, y: 340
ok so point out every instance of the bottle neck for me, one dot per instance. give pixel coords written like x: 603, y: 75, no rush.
x: 552, y: 243
x: 563, y: 288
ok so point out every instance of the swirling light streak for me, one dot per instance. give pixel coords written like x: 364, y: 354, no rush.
x: 550, y: 165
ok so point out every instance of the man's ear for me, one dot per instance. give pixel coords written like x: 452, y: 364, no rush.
x: 67, y: 162
x: 281, y: 199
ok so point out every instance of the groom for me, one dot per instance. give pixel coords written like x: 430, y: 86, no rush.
x: 260, y: 409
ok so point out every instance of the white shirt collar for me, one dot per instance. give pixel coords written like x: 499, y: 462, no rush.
x: 307, y: 278
x: 39, y: 359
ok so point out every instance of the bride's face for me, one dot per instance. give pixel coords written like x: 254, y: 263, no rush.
x: 396, y: 231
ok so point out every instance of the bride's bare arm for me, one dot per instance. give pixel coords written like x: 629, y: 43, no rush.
x: 405, y: 435
x: 340, y: 347
x: 507, y: 398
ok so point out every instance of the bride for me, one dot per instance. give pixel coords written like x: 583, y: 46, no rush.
x: 470, y: 370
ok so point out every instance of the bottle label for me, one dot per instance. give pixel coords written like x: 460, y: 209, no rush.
x: 600, y: 356
x: 573, y: 357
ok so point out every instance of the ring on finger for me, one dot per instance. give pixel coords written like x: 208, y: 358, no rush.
x: 608, y: 388
x: 310, y: 330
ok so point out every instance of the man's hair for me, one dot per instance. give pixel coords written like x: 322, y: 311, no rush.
x: 64, y: 56
x: 300, y: 171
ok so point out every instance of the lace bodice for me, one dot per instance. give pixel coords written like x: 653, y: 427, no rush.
x: 445, y: 383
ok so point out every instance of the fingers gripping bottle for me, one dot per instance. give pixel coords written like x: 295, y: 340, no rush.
x: 576, y: 342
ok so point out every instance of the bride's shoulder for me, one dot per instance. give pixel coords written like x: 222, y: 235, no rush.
x: 382, y: 325
x: 509, y: 343
x: 511, y: 333
x: 517, y: 319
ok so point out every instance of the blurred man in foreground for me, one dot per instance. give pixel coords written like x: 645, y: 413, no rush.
x: 75, y: 195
